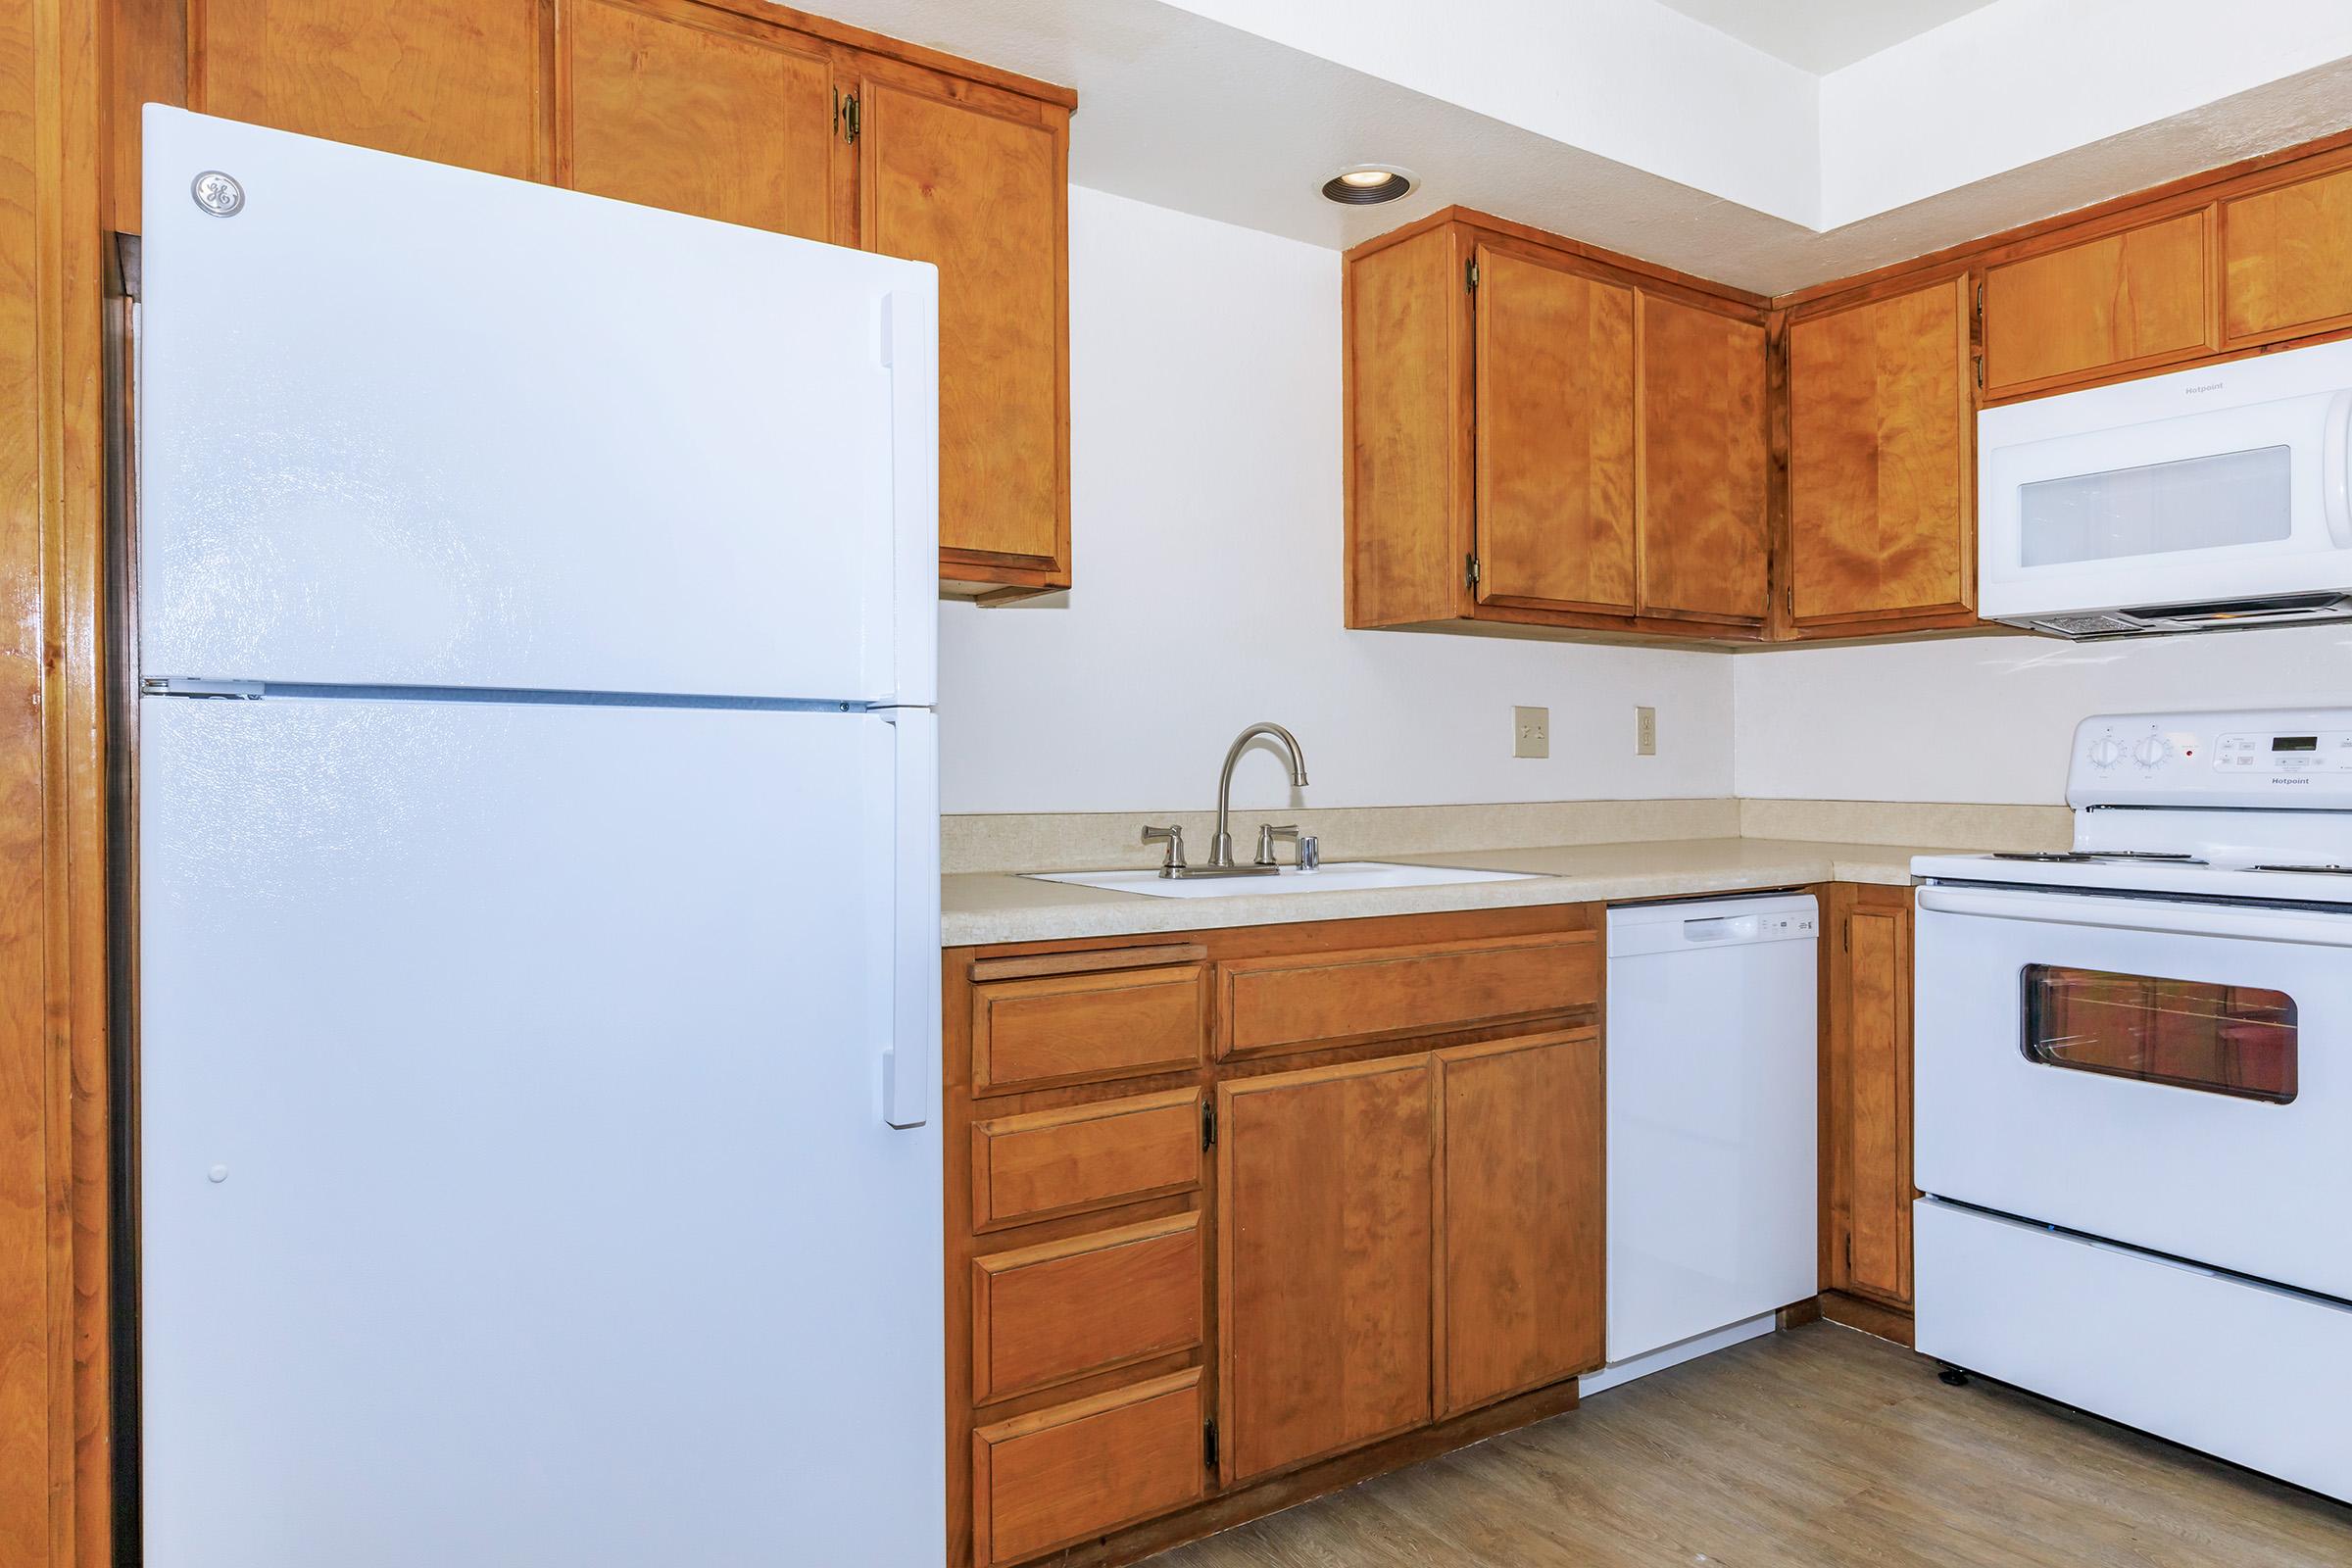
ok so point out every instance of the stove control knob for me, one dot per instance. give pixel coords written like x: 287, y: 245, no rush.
x: 2148, y: 753
x: 2106, y: 752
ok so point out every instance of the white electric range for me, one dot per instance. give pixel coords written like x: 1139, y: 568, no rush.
x: 2133, y: 1092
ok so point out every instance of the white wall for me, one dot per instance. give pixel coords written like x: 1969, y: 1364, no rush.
x: 1990, y: 719
x: 1207, y: 502
x: 2022, y: 81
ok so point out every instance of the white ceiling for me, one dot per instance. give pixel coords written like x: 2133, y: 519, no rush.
x: 1632, y: 125
x: 1823, y: 35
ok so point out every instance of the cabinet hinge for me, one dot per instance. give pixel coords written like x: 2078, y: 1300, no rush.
x: 1208, y: 1124
x: 1979, y: 302
x: 1980, y: 369
x: 1470, y: 571
x: 1789, y: 599
x: 844, y: 114
x: 1846, y: 935
x: 1208, y: 1444
x: 1470, y: 274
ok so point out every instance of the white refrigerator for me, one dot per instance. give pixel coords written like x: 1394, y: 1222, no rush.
x: 537, y: 876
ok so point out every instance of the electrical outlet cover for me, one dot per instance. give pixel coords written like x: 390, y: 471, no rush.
x: 1530, y: 732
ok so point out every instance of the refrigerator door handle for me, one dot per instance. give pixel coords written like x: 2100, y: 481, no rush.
x: 908, y: 1057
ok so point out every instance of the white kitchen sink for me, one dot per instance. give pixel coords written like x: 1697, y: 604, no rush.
x: 1337, y: 876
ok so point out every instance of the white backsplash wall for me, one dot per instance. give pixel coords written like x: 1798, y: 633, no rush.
x: 1989, y: 718
x: 1206, y: 505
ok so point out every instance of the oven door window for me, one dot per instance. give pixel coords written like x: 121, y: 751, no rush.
x: 2238, y: 1040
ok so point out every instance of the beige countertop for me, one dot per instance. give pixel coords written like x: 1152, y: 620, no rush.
x: 979, y: 907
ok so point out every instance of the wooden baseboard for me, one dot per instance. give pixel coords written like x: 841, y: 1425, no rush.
x: 1871, y: 1317
x: 1276, y: 1492
x: 1796, y: 1314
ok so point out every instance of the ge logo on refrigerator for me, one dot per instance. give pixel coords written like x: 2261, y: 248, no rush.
x: 217, y: 194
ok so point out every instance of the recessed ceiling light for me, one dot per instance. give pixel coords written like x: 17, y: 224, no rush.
x: 1366, y: 184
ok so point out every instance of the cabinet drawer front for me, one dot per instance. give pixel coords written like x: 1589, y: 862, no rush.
x: 1061, y: 1475
x: 1289, y: 1004
x: 1047, y: 1314
x: 1049, y: 1163
x: 1074, y: 1028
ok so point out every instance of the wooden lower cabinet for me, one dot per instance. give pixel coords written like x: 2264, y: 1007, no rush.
x: 1061, y: 1474
x: 1325, y: 1188
x: 1521, y: 1287
x: 1221, y: 1282
x: 1866, y: 1099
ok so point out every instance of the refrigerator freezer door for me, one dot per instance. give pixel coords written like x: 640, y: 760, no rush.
x: 408, y: 424
x: 515, y: 1181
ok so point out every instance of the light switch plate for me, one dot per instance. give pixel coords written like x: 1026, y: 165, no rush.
x: 1530, y: 732
x: 1646, y: 732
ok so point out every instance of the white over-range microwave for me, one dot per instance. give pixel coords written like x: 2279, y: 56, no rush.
x: 2207, y: 499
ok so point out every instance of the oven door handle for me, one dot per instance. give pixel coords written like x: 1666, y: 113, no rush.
x: 2251, y: 924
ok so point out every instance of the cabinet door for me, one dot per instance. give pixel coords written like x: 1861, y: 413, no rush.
x: 1555, y: 436
x: 1523, y: 1284
x: 1701, y: 536
x: 1324, y: 1264
x: 977, y: 182
x: 2286, y: 259
x: 458, y: 82
x: 681, y: 106
x: 1882, y: 516
x: 1870, y: 1069
x: 2127, y: 300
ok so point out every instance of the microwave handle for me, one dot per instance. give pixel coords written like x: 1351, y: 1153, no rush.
x: 2335, y: 469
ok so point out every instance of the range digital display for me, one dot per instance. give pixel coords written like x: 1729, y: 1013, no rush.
x: 2294, y: 743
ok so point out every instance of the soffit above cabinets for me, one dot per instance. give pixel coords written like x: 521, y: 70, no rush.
x: 1638, y: 126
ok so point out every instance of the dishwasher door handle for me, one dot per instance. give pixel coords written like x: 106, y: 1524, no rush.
x: 1719, y: 928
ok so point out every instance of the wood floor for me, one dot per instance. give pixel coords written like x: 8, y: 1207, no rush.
x: 1807, y: 1449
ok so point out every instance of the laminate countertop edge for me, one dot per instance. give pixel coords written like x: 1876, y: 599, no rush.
x: 987, y: 908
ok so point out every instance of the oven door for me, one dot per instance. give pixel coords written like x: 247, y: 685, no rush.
x: 2168, y: 1074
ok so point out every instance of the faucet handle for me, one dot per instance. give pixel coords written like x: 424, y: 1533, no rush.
x: 1266, y: 837
x: 1173, y: 837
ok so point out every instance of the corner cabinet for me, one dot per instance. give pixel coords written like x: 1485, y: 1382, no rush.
x: 1882, y: 463
x: 725, y: 109
x: 1550, y: 436
x: 1240, y: 1217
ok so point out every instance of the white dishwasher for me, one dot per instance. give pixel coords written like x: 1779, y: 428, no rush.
x: 1712, y: 1104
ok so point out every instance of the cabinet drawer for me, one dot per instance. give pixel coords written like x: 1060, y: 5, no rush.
x: 1061, y: 1475
x: 1048, y: 1162
x: 1076, y: 1028
x: 1047, y: 1314
x: 1289, y: 1004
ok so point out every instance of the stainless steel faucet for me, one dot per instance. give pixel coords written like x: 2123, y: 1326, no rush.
x: 1220, y: 847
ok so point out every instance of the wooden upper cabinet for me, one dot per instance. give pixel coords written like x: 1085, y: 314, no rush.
x: 977, y: 181
x: 2287, y: 260
x: 1881, y: 519
x: 1542, y: 434
x: 1555, y: 435
x: 1703, y: 485
x: 458, y: 82
x: 1525, y: 1293
x: 2138, y: 298
x: 725, y: 109
x: 701, y: 110
x: 1324, y: 1260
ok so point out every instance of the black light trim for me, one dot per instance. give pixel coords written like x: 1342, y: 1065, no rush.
x: 1338, y: 189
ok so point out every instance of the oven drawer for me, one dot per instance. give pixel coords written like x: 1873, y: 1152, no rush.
x: 2259, y: 1376
x: 2174, y: 1076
